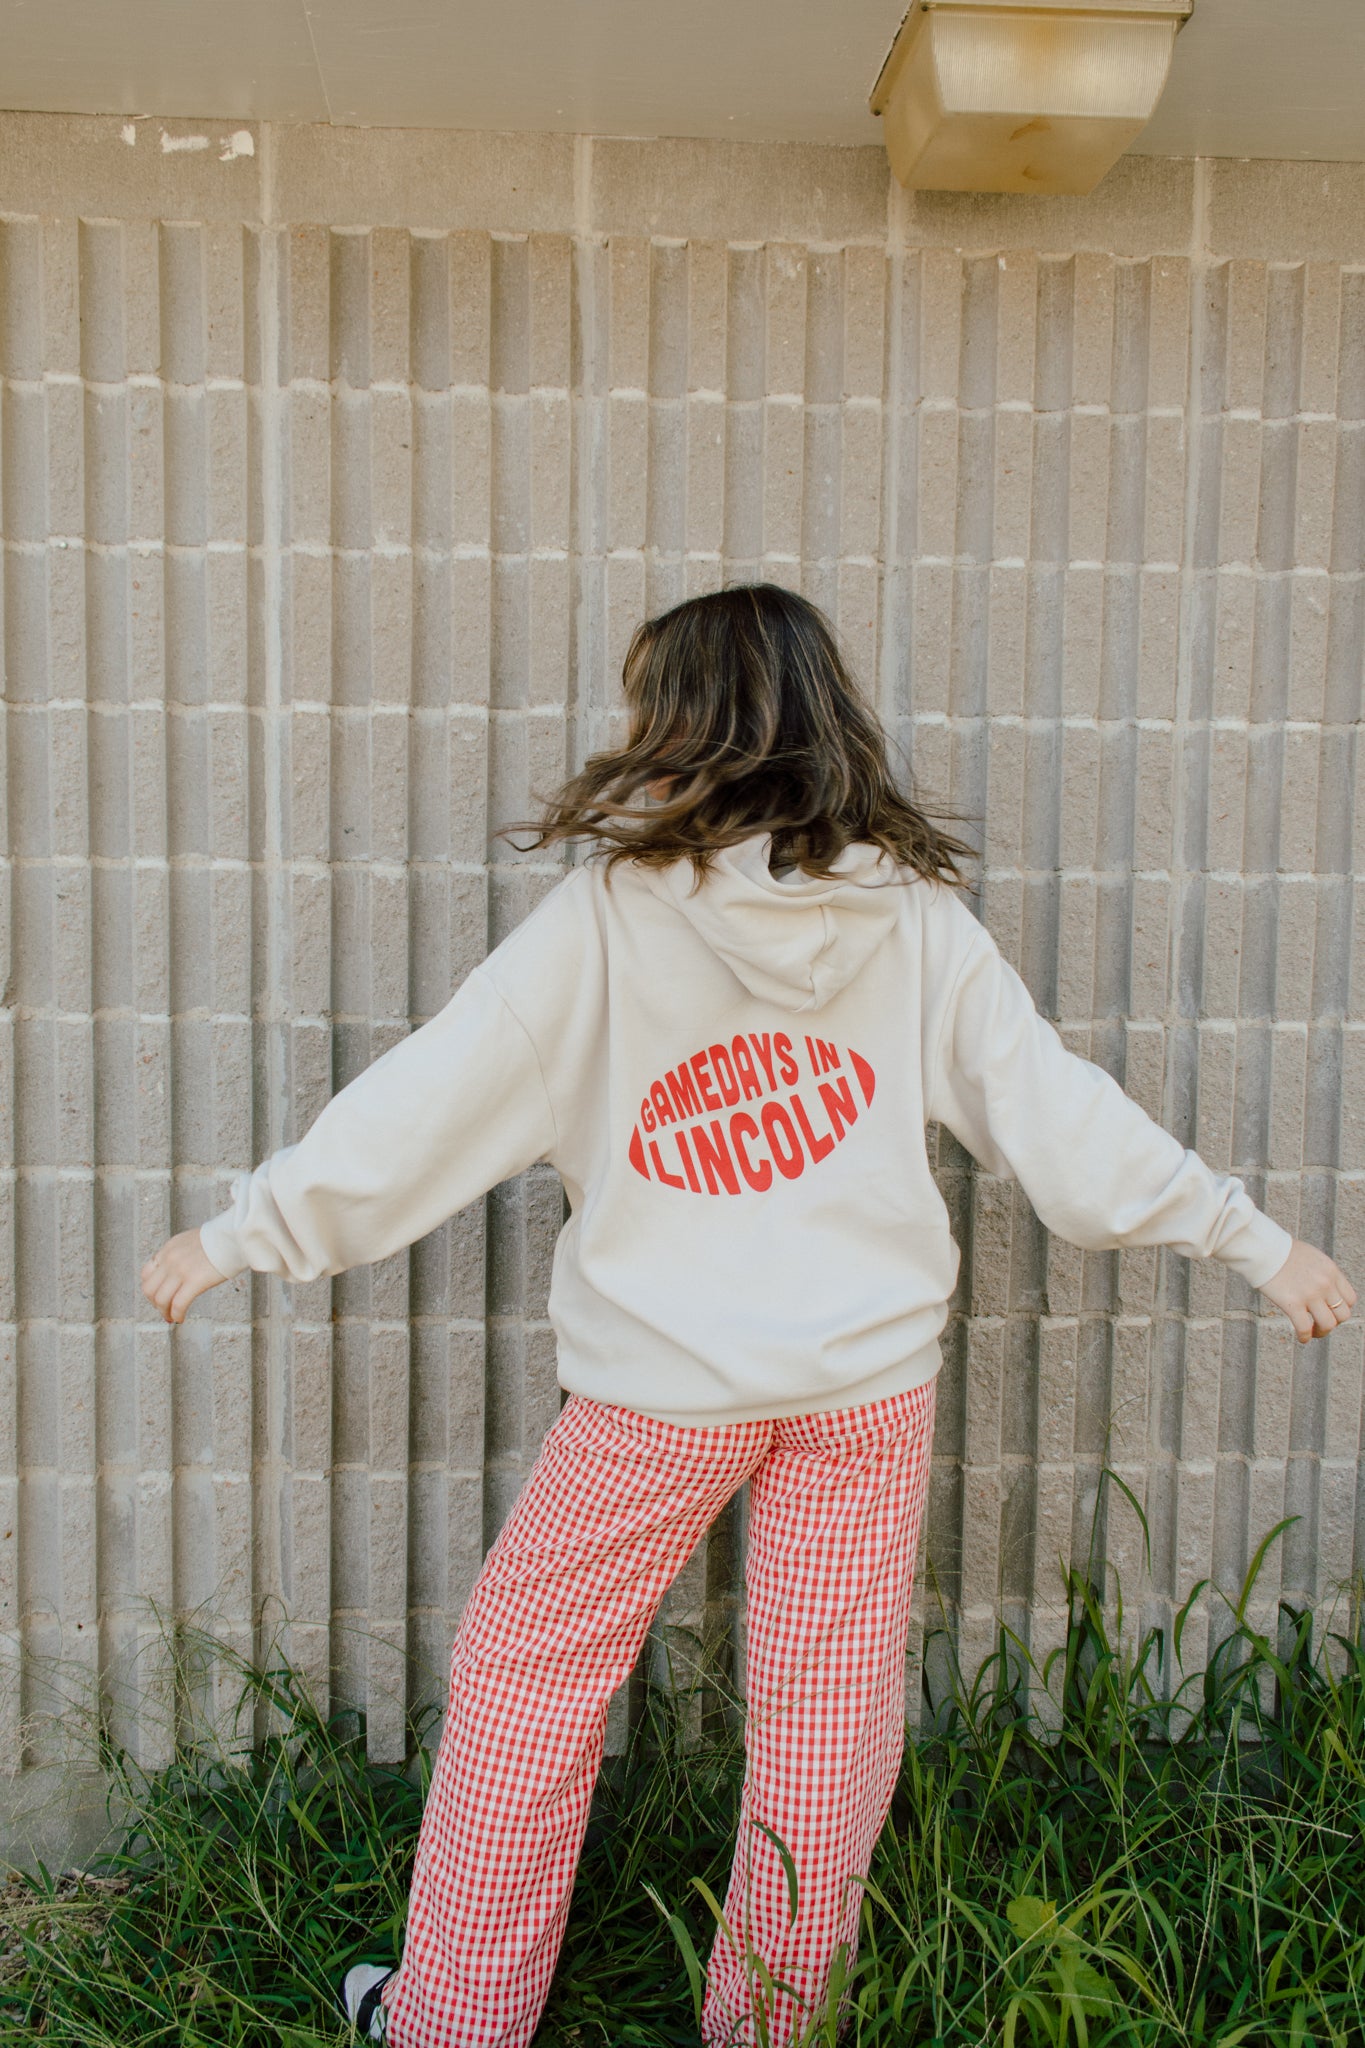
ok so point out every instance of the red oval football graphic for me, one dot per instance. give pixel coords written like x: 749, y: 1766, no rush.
x: 748, y: 1113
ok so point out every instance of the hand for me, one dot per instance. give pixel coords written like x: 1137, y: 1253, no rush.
x: 1305, y: 1286
x: 178, y: 1274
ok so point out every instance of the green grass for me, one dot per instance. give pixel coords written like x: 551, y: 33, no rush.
x: 1180, y: 1862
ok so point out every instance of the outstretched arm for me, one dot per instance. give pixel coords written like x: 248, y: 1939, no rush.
x: 429, y: 1126
x: 1098, y: 1170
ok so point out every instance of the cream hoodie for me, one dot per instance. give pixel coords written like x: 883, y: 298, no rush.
x: 734, y: 1081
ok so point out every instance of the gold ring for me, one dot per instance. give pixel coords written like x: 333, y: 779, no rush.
x: 1336, y: 1304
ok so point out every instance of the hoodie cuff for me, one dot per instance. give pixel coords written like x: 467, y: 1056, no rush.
x: 222, y: 1246
x: 1257, y: 1248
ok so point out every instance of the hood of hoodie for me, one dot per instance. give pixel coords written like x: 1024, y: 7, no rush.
x: 793, y: 939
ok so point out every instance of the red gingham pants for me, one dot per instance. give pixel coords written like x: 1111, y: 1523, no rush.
x: 614, y: 1507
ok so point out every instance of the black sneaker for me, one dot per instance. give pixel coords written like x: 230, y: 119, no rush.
x: 360, y: 1989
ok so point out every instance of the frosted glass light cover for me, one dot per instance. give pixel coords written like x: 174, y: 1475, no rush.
x: 1007, y: 96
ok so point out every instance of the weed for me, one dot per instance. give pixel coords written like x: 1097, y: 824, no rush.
x: 1098, y: 1851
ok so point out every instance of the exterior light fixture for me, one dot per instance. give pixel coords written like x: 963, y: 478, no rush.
x: 1022, y: 96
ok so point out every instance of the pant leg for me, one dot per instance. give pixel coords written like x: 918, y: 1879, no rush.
x: 612, y: 1510
x: 835, y: 1513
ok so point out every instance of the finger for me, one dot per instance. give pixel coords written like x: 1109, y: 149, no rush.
x: 185, y: 1294
x: 1324, y: 1318
x: 1303, y: 1323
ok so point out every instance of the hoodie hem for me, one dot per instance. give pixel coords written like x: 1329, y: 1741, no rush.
x: 1257, y: 1248
x: 900, y: 1378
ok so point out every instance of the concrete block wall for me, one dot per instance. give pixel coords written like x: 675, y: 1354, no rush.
x: 333, y: 479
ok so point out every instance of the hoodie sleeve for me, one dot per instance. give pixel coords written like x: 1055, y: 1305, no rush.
x: 433, y: 1123
x: 1098, y: 1170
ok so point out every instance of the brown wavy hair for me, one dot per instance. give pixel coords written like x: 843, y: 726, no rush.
x: 745, y: 719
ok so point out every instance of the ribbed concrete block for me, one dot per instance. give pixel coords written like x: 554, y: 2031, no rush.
x: 322, y: 545
x: 1310, y: 656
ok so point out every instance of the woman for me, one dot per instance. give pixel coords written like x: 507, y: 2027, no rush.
x: 727, y: 1030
